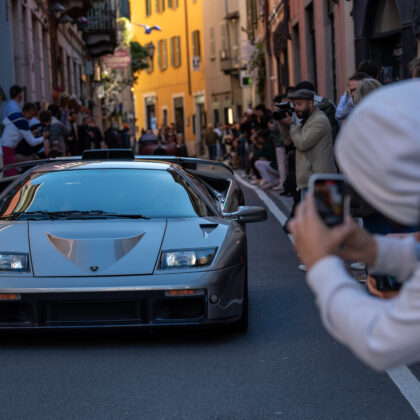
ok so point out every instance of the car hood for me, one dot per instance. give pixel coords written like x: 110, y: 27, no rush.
x: 95, y: 247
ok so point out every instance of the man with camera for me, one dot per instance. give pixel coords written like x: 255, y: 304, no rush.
x: 312, y: 138
x: 379, y: 153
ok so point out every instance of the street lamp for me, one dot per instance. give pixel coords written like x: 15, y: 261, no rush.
x: 150, y: 47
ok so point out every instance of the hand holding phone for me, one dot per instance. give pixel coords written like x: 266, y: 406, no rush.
x: 332, y: 197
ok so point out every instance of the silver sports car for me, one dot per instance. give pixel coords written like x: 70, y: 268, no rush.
x: 110, y: 239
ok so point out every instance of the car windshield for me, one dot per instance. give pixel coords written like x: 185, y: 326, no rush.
x: 104, y: 192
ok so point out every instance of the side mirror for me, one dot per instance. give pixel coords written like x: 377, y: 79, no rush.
x: 248, y: 214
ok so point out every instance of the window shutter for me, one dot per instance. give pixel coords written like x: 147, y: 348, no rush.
x: 172, y: 47
x: 178, y: 51
x: 160, y: 54
x: 157, y: 6
x: 165, y: 53
x: 194, y: 43
x: 212, y: 44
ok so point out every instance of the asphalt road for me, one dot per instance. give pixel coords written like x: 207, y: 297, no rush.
x: 287, y: 366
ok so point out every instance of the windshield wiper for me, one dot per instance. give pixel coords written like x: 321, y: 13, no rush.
x: 69, y: 214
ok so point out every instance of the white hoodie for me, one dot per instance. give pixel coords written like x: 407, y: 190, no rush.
x: 379, y: 151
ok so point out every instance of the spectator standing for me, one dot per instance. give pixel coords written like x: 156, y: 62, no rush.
x: 112, y: 137
x: 97, y: 135
x: 346, y: 104
x: 125, y: 137
x: 280, y: 149
x: 211, y: 139
x: 58, y: 133
x: 12, y: 105
x: 312, y: 139
x: 73, y: 145
x: 327, y: 106
x: 85, y: 135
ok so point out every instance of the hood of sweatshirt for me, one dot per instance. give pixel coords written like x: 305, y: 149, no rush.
x: 378, y: 150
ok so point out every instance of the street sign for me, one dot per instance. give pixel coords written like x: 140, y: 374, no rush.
x: 117, y: 61
x: 196, y: 61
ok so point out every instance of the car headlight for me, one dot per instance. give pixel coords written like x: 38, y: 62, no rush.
x: 14, y: 262
x: 187, y: 258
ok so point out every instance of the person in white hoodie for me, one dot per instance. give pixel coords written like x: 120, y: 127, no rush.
x: 379, y: 152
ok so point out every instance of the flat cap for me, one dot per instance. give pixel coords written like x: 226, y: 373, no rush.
x: 302, y: 94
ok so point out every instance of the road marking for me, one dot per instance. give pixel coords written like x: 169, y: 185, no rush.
x: 408, y: 384
x: 271, y: 205
x: 402, y: 376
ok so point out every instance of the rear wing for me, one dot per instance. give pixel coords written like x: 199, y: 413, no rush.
x: 208, y: 170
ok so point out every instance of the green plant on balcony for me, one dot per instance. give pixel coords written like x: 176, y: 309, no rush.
x: 258, y: 65
x: 139, y: 56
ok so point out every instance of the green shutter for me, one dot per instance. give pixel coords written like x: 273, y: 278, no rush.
x: 172, y: 47
x: 178, y: 51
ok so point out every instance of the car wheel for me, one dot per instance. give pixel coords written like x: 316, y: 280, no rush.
x: 241, y: 325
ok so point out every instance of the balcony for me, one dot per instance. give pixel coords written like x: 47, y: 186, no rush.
x: 229, y: 62
x: 100, y: 32
x: 74, y: 8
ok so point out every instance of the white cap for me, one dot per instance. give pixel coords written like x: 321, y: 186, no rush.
x: 379, y: 151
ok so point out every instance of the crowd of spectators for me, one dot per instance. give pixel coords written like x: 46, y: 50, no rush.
x: 282, y: 153
x: 64, y: 128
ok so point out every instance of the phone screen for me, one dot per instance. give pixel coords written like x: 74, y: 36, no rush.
x: 330, y: 199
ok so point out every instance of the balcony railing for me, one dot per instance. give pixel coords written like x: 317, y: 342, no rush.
x: 229, y: 61
x: 76, y: 8
x: 100, y: 31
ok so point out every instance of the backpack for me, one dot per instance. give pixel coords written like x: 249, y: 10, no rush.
x: 328, y: 108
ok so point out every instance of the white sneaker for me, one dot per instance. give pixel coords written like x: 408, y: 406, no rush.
x: 302, y: 267
x: 359, y: 265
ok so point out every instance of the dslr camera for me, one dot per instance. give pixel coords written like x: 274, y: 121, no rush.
x: 282, y: 109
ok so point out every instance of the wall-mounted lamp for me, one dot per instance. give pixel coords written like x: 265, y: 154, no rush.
x: 150, y: 47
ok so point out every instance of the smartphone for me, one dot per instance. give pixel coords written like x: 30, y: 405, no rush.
x: 386, y: 283
x: 332, y: 197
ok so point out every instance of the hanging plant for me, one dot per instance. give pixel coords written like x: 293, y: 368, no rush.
x: 258, y: 66
x: 138, y: 58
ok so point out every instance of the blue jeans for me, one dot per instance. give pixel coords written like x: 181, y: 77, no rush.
x: 212, y: 148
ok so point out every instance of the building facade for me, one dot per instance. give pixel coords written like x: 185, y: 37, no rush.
x: 228, y: 84
x: 173, y: 88
x: 387, y: 31
x: 47, y: 49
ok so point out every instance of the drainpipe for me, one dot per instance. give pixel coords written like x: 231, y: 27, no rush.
x: 230, y: 56
x: 188, y: 47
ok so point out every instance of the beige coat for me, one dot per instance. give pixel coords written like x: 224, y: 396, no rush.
x: 314, y: 147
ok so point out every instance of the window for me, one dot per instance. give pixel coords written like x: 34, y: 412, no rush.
x: 163, y: 54
x: 172, y: 4
x: 176, y: 51
x: 148, y: 7
x: 160, y: 6
x: 212, y: 44
x: 196, y: 44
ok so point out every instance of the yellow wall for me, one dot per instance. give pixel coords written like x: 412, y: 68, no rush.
x: 167, y: 84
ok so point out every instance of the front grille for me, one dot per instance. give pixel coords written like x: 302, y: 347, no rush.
x: 91, y: 312
x: 106, y: 308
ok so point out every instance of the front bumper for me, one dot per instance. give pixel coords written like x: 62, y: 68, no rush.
x: 129, y: 301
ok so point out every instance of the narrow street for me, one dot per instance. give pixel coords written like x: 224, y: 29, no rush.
x: 287, y: 366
